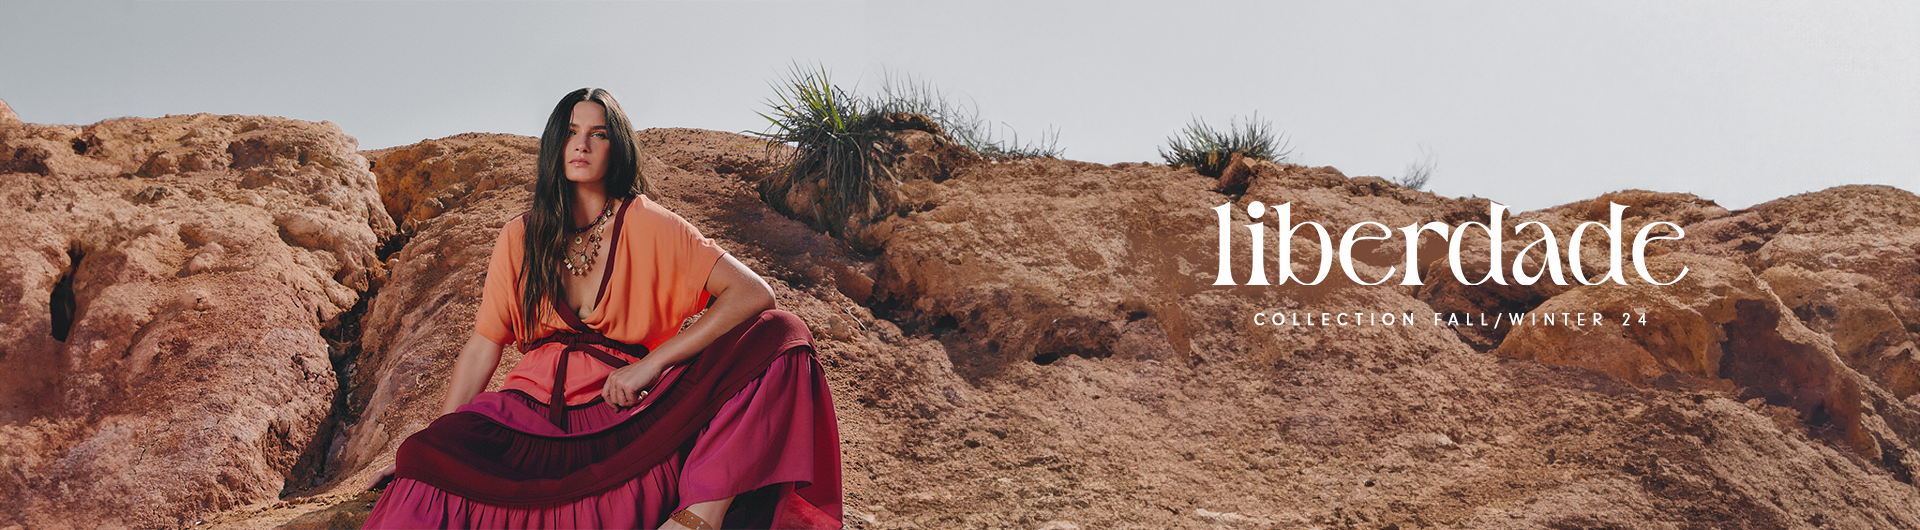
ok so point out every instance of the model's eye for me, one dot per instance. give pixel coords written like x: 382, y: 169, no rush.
x: 600, y: 135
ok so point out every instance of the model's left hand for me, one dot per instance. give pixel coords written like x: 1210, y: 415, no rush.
x: 626, y: 385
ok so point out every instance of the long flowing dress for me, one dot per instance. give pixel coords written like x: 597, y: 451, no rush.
x: 749, y: 417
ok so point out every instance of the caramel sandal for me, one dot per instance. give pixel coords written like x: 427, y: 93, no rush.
x: 689, y: 520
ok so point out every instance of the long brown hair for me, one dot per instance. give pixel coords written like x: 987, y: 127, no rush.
x: 549, y: 220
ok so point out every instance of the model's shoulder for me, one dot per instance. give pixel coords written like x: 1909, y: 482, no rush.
x: 644, y: 210
x: 514, y: 228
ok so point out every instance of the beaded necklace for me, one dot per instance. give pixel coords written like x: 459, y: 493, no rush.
x: 580, y: 252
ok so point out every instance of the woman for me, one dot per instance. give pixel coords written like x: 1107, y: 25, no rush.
x: 616, y: 417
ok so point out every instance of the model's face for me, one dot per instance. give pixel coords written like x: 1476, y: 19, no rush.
x: 587, y: 142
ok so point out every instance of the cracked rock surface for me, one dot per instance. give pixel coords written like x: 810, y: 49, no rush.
x: 163, y: 348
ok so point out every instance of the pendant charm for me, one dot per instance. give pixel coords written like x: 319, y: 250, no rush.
x: 580, y: 260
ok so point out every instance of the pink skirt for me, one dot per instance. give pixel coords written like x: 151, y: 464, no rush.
x: 773, y: 447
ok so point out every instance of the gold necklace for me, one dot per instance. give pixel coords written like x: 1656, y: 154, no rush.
x: 580, y: 253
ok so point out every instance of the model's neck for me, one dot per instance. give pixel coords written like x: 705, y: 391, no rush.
x: 589, y: 199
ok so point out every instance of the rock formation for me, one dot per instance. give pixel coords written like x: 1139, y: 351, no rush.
x: 1106, y: 270
x: 165, y: 320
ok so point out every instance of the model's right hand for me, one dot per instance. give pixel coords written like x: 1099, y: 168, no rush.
x: 382, y: 475
x: 628, y: 384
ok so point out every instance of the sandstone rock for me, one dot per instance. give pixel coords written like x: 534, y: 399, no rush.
x: 1230, y: 518
x: 1847, y: 260
x: 1235, y: 176
x: 723, y: 154
x: 1724, y: 329
x: 1685, y: 331
x: 1448, y: 294
x: 1122, y: 244
x: 7, y: 117
x: 1014, y: 260
x: 920, y: 154
x: 1866, y: 327
x: 423, y: 180
x: 165, y: 355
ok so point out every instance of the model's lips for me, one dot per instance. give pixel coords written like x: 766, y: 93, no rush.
x: 580, y: 162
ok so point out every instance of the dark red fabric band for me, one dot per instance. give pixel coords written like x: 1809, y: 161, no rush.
x: 579, y: 342
x: 470, y: 455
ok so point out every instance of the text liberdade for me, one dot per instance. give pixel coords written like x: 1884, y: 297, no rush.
x: 1283, y: 219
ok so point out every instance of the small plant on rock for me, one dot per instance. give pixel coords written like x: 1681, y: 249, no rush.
x: 1208, y: 150
x: 902, y: 93
x: 1418, y: 173
x: 839, y: 174
x: 838, y: 163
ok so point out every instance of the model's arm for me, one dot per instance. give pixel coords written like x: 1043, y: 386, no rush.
x: 471, y: 372
x: 738, y: 294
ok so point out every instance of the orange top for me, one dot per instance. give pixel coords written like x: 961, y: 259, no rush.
x: 659, y: 275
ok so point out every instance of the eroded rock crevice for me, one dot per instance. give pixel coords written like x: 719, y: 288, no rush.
x: 62, y: 305
x: 1768, y: 366
x: 344, y: 339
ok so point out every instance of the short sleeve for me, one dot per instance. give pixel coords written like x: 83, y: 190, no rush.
x: 662, y: 277
x: 499, y: 312
x: 686, y: 258
x: 698, y: 255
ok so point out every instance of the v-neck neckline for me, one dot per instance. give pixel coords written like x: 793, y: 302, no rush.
x: 566, y: 311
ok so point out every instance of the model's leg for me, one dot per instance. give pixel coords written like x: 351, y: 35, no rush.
x: 778, y: 429
x: 713, y: 512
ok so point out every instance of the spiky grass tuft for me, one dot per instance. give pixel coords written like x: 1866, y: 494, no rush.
x: 903, y: 93
x: 839, y: 167
x: 834, y: 142
x: 1208, y: 150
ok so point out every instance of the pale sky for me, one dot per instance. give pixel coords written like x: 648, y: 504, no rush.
x: 1529, y: 103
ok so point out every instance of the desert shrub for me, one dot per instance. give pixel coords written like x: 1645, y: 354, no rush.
x: 840, y: 165
x: 903, y: 93
x: 1418, y: 173
x: 835, y: 144
x: 1208, y: 150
